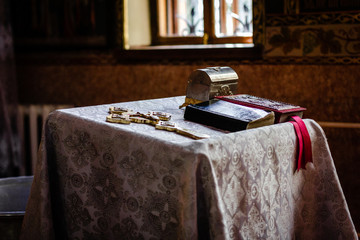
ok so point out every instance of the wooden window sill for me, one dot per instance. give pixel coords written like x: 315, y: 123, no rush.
x: 191, y: 52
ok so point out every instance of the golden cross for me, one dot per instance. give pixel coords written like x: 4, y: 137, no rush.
x: 158, y: 119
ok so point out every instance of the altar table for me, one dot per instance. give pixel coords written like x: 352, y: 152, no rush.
x: 100, y: 180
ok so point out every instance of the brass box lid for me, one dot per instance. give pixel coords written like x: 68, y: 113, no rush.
x: 205, y: 84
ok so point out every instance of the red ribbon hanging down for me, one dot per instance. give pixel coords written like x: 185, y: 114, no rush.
x: 305, y: 151
x: 300, y: 144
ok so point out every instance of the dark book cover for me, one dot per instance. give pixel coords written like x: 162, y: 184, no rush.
x: 282, y: 110
x: 228, y: 116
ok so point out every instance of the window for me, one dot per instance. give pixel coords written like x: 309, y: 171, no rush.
x: 201, y: 21
x: 190, y: 29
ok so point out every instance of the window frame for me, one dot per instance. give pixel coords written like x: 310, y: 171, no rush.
x: 193, y: 52
x: 209, y: 36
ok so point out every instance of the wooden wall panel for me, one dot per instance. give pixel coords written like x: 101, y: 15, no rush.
x: 330, y: 92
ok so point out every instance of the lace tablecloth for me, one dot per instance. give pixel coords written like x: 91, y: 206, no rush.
x: 100, y: 180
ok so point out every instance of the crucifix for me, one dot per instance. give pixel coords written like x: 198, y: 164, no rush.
x: 160, y: 120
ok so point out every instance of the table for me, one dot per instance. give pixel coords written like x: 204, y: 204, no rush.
x: 100, y: 180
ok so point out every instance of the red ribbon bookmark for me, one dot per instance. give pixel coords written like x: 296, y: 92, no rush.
x: 305, y: 151
x: 300, y: 144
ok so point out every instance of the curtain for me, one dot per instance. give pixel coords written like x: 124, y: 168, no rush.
x: 9, y: 138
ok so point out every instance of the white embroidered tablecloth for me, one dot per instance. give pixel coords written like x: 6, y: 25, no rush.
x: 100, y: 180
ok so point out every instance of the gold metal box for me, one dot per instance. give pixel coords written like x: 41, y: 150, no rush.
x: 204, y: 84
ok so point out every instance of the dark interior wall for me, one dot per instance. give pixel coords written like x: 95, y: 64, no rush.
x: 330, y: 92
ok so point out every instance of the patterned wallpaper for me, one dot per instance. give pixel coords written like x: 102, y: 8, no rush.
x: 313, y: 35
x: 329, y: 40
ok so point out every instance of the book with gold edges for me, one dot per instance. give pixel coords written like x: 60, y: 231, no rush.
x: 282, y: 110
x: 228, y: 116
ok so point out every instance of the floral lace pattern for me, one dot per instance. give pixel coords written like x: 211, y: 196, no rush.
x: 109, y: 181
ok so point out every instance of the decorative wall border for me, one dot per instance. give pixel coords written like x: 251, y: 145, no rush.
x: 326, y: 34
x: 313, y: 19
x: 313, y: 60
x: 313, y: 40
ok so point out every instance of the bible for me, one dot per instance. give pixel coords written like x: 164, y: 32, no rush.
x: 282, y: 110
x: 228, y: 116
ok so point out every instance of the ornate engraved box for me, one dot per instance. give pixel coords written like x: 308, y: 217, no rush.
x: 205, y: 84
